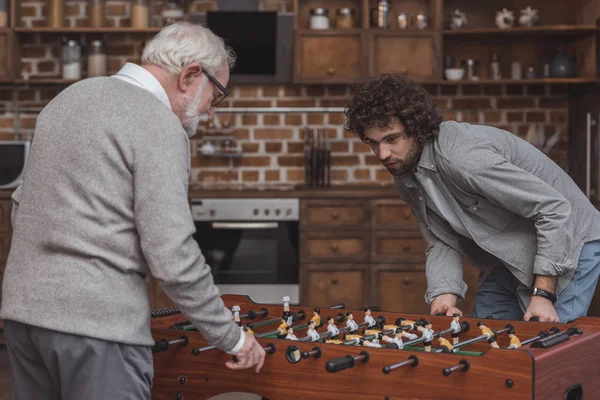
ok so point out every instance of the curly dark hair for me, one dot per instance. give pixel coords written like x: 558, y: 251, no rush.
x: 378, y: 100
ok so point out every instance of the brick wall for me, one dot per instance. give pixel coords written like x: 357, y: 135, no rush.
x: 272, y: 144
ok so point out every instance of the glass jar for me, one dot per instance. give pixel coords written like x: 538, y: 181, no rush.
x: 4, y: 8
x: 380, y: 14
x: 319, y: 18
x: 97, y: 60
x: 71, y: 60
x: 140, y: 14
x: 345, y: 18
x: 97, y: 13
x: 172, y: 12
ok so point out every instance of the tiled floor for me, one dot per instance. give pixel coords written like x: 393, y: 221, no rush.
x: 6, y: 392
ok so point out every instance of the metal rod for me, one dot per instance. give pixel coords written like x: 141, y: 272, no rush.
x: 279, y: 110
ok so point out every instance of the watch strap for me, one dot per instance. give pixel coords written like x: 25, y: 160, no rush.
x: 545, y: 294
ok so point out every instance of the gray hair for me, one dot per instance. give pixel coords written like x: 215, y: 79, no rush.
x: 182, y: 43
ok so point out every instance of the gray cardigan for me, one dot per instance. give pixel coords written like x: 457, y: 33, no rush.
x: 523, y: 211
x: 104, y: 204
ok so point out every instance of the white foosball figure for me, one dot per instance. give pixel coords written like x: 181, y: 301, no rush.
x: 331, y: 327
x: 290, y: 334
x: 312, y: 332
x: 350, y: 322
x: 369, y: 318
x: 427, y: 335
x: 236, y: 314
x: 286, y: 310
x: 397, y: 339
x: 455, y: 326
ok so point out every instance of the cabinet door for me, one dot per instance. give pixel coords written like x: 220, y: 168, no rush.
x: 400, y: 290
x: 5, y: 210
x: 328, y: 57
x: 393, y: 214
x: 325, y: 286
x: 397, y: 246
x: 334, y: 246
x: 4, y: 247
x: 8, y: 55
x: 333, y: 214
x: 415, y: 56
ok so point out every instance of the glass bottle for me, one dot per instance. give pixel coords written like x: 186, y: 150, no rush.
x: 172, y: 12
x: 495, y: 73
x: 319, y: 18
x: 140, y: 14
x: 97, y: 13
x: 71, y: 60
x: 345, y: 18
x: 56, y: 14
x: 97, y: 60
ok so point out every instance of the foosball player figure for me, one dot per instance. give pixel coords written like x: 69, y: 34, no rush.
x: 515, y: 343
x: 286, y: 310
x: 407, y: 322
x: 332, y: 328
x: 371, y: 343
x: 491, y: 337
x: 316, y: 317
x: 455, y: 326
x: 369, y: 318
x: 236, y: 315
x: 351, y: 323
x: 290, y: 334
x: 282, y: 329
x: 312, y: 332
x: 445, y: 345
x: 427, y: 334
x: 248, y: 329
x: 397, y: 339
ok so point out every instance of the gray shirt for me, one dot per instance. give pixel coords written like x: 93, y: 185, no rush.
x: 104, y: 205
x: 520, y: 209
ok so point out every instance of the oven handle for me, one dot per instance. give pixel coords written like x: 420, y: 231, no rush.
x: 245, y: 225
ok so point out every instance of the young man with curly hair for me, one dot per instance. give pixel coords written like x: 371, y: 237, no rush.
x: 483, y: 193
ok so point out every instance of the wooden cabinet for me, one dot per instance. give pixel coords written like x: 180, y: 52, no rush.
x: 332, y: 214
x: 330, y: 57
x: 9, y: 59
x: 329, y: 285
x: 399, y: 287
x: 412, y: 54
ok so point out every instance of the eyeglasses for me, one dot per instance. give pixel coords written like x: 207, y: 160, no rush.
x: 224, y: 92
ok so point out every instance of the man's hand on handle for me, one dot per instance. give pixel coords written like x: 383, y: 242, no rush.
x: 251, y: 354
x: 541, y: 308
x: 444, y: 304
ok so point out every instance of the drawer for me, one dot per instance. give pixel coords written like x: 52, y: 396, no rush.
x: 401, y: 290
x: 5, y: 209
x: 4, y: 248
x: 342, y: 284
x: 393, y: 214
x: 334, y: 214
x: 334, y: 246
x: 394, y: 246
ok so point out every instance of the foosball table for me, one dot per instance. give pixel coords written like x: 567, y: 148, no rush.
x: 335, y: 353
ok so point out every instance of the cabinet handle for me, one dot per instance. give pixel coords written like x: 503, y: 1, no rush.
x: 403, y: 70
x: 330, y: 71
x: 334, y: 247
x: 406, y: 280
x: 406, y: 247
x: 407, y: 216
x: 335, y: 215
x: 335, y: 281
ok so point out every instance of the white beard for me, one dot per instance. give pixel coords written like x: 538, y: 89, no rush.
x: 192, y: 118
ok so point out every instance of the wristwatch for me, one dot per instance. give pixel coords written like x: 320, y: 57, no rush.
x: 545, y: 294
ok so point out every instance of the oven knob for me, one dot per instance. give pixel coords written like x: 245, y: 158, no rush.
x: 267, y: 211
x: 255, y: 211
x: 212, y: 213
x: 288, y: 211
x: 277, y: 211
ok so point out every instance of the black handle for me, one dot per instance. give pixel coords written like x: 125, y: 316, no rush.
x: 556, y: 339
x: 372, y: 308
x: 341, y: 363
x: 316, y: 352
x: 161, y: 345
x: 465, y: 326
x: 534, y: 319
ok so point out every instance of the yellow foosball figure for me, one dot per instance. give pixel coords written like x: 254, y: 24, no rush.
x: 445, y: 345
x: 282, y: 329
x: 316, y: 317
x: 491, y: 337
x: 515, y: 343
x: 248, y: 329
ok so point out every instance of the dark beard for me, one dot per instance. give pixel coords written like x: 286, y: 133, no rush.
x: 411, y: 160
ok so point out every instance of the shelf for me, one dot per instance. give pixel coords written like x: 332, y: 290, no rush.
x: 44, y: 81
x: 515, y: 81
x: 89, y: 30
x: 330, y: 32
x: 534, y: 30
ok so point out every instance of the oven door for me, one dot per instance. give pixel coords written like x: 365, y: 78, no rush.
x: 250, y: 252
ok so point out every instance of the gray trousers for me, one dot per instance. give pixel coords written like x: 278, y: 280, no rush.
x: 50, y: 365
x: 497, y: 296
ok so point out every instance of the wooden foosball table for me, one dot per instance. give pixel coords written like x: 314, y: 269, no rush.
x: 379, y: 355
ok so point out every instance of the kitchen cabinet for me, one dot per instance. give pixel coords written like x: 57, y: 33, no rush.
x: 9, y: 55
x: 331, y: 284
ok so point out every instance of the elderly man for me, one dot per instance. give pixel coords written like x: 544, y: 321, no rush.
x: 486, y: 194
x: 103, y: 205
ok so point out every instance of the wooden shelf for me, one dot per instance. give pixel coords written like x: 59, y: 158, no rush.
x: 44, y: 81
x: 534, y: 30
x: 330, y: 32
x: 517, y: 81
x: 89, y: 30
